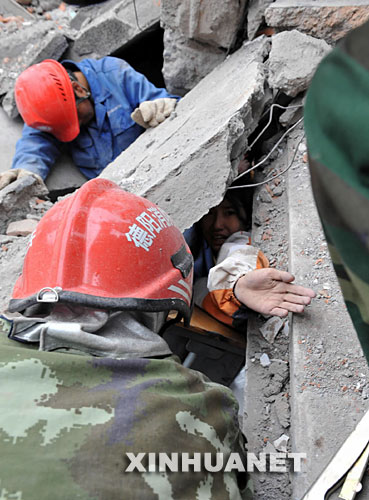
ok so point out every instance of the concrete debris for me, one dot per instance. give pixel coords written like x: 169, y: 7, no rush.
x: 269, y: 449
x: 293, y: 60
x: 108, y: 26
x: 271, y: 328
x: 15, y: 199
x: 11, y: 8
x: 12, y: 252
x: 282, y: 410
x: 255, y: 16
x: 278, y: 375
x: 211, y: 22
x: 293, y: 113
x: 22, y: 227
x: 281, y: 443
x: 324, y: 19
x: 209, y: 130
x: 29, y: 45
x: 264, y: 360
x: 187, y: 62
x: 197, y: 36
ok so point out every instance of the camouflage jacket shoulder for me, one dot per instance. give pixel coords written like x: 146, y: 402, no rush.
x: 67, y: 422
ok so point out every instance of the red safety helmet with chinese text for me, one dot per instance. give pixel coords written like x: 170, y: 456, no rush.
x: 45, y: 99
x: 103, y: 247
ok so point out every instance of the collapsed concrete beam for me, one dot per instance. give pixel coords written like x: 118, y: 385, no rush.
x: 210, y: 21
x: 185, y: 164
x: 187, y: 62
x: 107, y: 27
x: 293, y: 60
x: 326, y: 19
x: 29, y: 45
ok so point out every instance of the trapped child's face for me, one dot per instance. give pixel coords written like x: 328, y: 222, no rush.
x: 220, y: 223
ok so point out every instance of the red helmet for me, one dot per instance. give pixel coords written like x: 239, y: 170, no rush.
x: 106, y: 248
x: 45, y: 99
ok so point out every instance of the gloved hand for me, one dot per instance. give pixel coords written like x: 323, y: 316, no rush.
x: 151, y: 113
x: 14, y: 174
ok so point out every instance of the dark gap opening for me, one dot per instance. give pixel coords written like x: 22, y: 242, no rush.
x: 145, y: 54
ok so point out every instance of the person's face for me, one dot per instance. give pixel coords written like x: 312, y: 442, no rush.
x: 85, y: 108
x: 220, y: 223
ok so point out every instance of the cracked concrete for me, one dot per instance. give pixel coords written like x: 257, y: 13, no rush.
x: 208, y: 132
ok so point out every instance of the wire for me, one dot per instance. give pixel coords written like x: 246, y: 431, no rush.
x: 270, y: 120
x: 270, y: 152
x: 136, y: 15
x: 273, y: 176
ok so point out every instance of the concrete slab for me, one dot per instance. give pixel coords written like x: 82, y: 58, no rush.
x: 293, y: 60
x: 64, y: 175
x: 326, y: 19
x: 29, y: 45
x: 108, y: 26
x: 12, y: 8
x: 185, y: 164
x: 187, y: 62
x: 328, y: 370
x: 255, y: 16
x: 210, y: 22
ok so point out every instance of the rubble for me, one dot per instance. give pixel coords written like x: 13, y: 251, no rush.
x: 271, y: 328
x: 15, y: 199
x: 197, y: 38
x: 281, y: 443
x: 264, y: 360
x: 107, y: 27
x: 202, y: 137
x: 22, y: 227
x: 255, y: 16
x: 44, y: 41
x: 186, y: 164
x: 186, y: 62
x: 324, y: 19
x: 293, y: 60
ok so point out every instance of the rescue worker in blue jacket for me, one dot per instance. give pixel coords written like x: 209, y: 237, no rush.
x: 99, y: 107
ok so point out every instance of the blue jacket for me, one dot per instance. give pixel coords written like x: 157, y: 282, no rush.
x: 116, y: 90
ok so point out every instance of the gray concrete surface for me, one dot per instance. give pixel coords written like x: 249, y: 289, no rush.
x: 12, y: 8
x: 186, y: 61
x: 329, y: 374
x: 18, y: 50
x: 326, y: 19
x: 106, y: 27
x: 185, y: 164
x: 293, y: 59
x: 64, y: 174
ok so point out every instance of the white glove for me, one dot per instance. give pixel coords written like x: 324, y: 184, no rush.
x: 14, y: 174
x: 151, y: 113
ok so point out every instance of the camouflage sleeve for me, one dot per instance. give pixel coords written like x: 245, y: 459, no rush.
x: 337, y: 130
x: 236, y: 258
x: 68, y: 421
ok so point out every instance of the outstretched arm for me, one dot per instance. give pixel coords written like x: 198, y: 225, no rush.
x: 271, y: 292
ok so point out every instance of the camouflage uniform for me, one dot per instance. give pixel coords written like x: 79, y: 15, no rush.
x: 68, y: 420
x: 337, y: 129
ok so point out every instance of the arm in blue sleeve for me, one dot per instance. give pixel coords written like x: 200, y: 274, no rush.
x: 36, y: 151
x: 138, y: 88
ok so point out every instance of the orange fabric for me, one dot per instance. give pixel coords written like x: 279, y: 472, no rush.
x: 261, y: 261
x: 221, y: 304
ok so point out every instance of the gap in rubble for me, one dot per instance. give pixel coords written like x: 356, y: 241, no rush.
x: 259, y: 150
x: 145, y: 54
x: 262, y: 146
